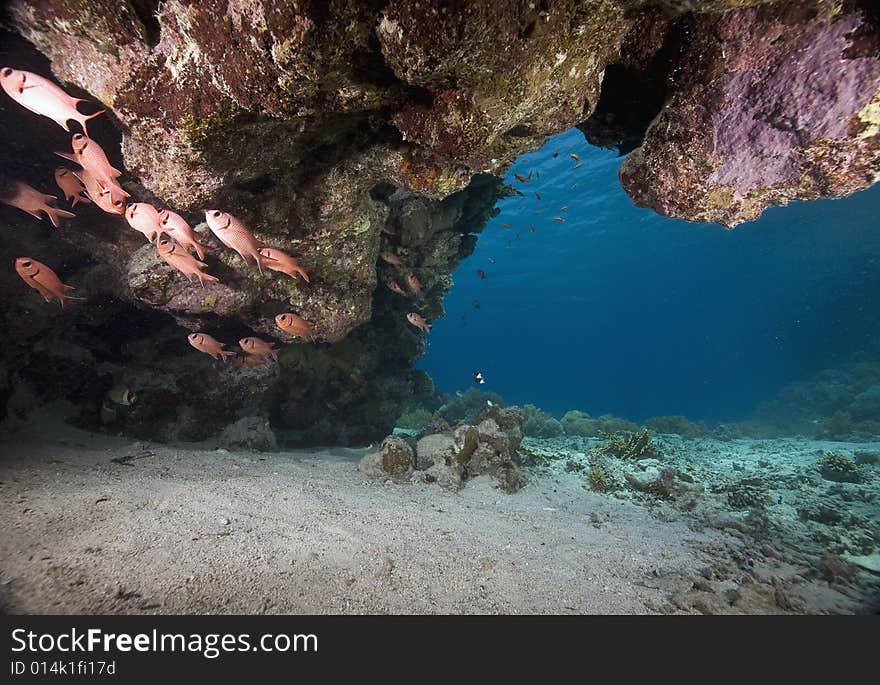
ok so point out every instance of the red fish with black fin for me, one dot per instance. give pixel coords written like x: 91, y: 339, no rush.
x: 30, y: 200
x: 209, y: 345
x: 178, y: 258
x: 42, y: 96
x: 236, y: 236
x: 42, y: 279
x: 73, y: 189
x: 278, y: 261
x: 176, y: 226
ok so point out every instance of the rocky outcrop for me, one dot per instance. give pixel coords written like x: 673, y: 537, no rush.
x: 767, y: 105
x: 486, y: 447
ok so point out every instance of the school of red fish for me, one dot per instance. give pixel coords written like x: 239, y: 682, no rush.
x: 96, y: 181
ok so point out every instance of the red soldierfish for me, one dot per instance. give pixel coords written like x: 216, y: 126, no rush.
x: 177, y: 257
x: 278, y: 261
x: 91, y: 157
x: 143, y: 217
x: 393, y: 287
x: 294, y: 325
x: 176, y: 226
x: 71, y: 186
x: 30, y: 200
x: 236, y: 236
x: 414, y: 284
x: 100, y: 195
x: 43, y: 279
x: 42, y: 96
x: 390, y: 258
x: 258, y: 348
x: 417, y: 321
x: 205, y: 343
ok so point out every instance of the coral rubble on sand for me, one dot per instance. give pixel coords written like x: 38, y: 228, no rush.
x: 801, y: 515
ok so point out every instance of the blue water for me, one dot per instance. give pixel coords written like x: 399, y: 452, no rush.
x: 621, y: 310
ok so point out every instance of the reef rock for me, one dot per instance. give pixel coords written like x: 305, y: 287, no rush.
x: 768, y: 104
x: 250, y: 433
x: 393, y: 459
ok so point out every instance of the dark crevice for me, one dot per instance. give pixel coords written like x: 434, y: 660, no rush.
x: 632, y: 96
x: 147, y: 12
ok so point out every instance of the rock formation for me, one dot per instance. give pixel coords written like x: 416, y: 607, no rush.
x: 343, y: 130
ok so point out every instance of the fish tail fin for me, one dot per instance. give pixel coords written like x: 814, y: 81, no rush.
x: 207, y: 277
x: 200, y: 250
x: 302, y: 272
x: 55, y: 215
x: 224, y: 354
x: 64, y: 297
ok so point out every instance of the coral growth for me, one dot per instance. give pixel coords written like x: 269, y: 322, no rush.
x: 838, y: 467
x: 539, y: 424
x: 579, y: 423
x: 638, y: 445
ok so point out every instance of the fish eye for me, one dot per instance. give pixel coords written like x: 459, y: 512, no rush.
x: 26, y: 264
x: 216, y: 214
x: 7, y: 71
x: 77, y: 136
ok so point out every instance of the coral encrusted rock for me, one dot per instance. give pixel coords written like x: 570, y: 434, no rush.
x: 768, y: 104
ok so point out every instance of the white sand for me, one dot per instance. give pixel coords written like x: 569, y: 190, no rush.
x: 195, y: 530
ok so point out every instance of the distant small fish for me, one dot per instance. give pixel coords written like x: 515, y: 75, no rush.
x: 555, y: 155
x: 419, y: 322
x: 481, y: 274
x: 294, y: 325
x: 574, y: 186
x: 42, y: 279
x: 258, y: 348
x: 558, y: 218
x: 491, y: 260
x: 578, y: 165
x: 478, y: 378
x: 414, y: 284
x: 278, y: 261
x: 236, y: 236
x: 476, y: 304
x: 42, y: 96
x: 395, y: 288
x: 519, y: 192
x: 574, y: 157
x: 537, y: 174
x: 209, y: 345
x: 531, y: 229
x: 119, y: 394
x: 537, y: 195
x: 73, y: 189
x: 390, y: 258
x: 523, y: 179
x: 32, y: 201
x: 564, y: 208
x: 505, y: 226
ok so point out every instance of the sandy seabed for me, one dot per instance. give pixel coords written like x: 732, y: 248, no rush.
x: 97, y: 524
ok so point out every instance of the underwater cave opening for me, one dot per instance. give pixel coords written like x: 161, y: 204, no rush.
x: 576, y: 299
